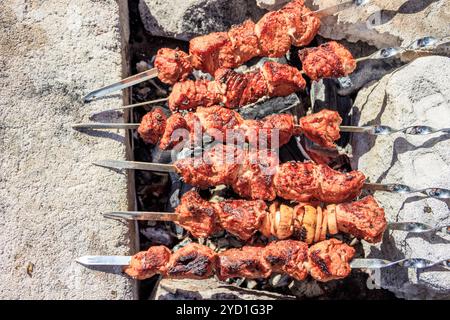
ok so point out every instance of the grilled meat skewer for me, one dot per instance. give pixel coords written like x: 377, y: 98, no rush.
x: 258, y: 175
x: 234, y: 90
x: 324, y: 261
x: 227, y: 125
x: 363, y: 219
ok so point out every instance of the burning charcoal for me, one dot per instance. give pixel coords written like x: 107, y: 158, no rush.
x: 271, y: 106
x: 306, y: 289
x: 157, y: 235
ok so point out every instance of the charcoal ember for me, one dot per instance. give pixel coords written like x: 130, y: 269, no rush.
x: 158, y: 235
x: 270, y: 106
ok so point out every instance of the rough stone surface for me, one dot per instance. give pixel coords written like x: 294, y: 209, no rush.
x: 184, y: 19
x: 51, y: 54
x: 385, y: 23
x: 271, y: 4
x: 210, y: 289
x: 416, y: 94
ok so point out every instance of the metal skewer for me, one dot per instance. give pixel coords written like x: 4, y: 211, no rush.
x: 410, y: 227
x: 122, y: 84
x: 439, y: 193
x: 414, y: 263
x: 373, y: 130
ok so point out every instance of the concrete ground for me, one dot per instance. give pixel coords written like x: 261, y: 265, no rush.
x: 51, y: 54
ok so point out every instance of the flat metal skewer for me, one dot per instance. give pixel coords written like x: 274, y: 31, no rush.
x: 373, y: 130
x: 414, y: 263
x: 409, y: 227
x: 438, y: 193
x: 122, y: 84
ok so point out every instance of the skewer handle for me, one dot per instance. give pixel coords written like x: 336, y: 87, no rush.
x: 124, y: 83
x: 81, y: 126
x: 135, y: 165
x: 142, y: 215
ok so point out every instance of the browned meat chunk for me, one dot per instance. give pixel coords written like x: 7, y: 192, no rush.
x: 194, y: 261
x: 247, y: 262
x: 197, y: 216
x: 241, y: 218
x: 211, y: 51
x: 364, y: 219
x: 173, y: 65
x: 244, y: 42
x: 296, y: 181
x: 256, y: 88
x: 190, y: 94
x: 233, y: 84
x: 329, y: 260
x: 217, y: 166
x: 337, y: 187
x: 171, y: 137
x: 329, y: 60
x: 219, y: 122
x: 146, y: 264
x: 282, y: 79
x: 255, y: 178
x: 322, y: 127
x: 288, y: 256
x: 272, y: 32
x: 152, y: 126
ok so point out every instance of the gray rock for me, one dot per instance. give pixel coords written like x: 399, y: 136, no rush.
x: 271, y: 4
x: 385, y: 23
x: 50, y: 194
x: 418, y: 93
x: 210, y: 289
x: 184, y: 19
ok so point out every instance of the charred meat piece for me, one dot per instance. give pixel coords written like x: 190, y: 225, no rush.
x: 288, y: 256
x: 322, y: 127
x: 217, y: 166
x: 329, y: 260
x: 173, y: 65
x: 171, y: 137
x: 337, y: 187
x: 146, y: 264
x: 191, y: 94
x: 152, y: 126
x: 233, y: 85
x: 244, y: 42
x: 256, y: 89
x: 272, y: 32
x: 212, y: 51
x: 284, y: 126
x: 296, y: 181
x: 197, y: 216
x: 247, y: 262
x: 364, y: 219
x: 255, y: 177
x: 296, y: 27
x: 194, y: 261
x: 241, y: 218
x: 233, y: 89
x: 329, y: 60
x: 219, y: 122
x: 282, y: 79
